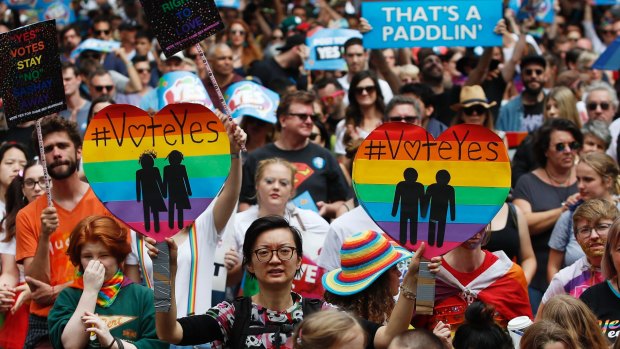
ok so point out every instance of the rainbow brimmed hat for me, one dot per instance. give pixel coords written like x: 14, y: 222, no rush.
x: 363, y: 258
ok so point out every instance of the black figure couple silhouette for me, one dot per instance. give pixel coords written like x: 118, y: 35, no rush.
x: 152, y: 190
x: 410, y: 196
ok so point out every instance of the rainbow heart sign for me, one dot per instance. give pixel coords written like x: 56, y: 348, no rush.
x: 441, y: 191
x: 157, y: 174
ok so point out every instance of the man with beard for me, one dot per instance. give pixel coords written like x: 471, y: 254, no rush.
x: 71, y: 38
x: 591, y: 223
x: 44, y: 231
x: 525, y: 111
x: 432, y: 74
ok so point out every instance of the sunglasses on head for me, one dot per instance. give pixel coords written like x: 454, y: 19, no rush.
x: 574, y: 145
x: 410, y: 119
x: 104, y: 32
x: 594, y: 105
x: 329, y: 99
x: 100, y: 88
x: 368, y: 89
x: 533, y: 71
x: 478, y: 109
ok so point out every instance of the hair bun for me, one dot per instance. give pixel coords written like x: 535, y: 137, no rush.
x: 479, y: 314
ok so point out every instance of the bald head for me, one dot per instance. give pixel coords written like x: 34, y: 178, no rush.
x: 220, y: 58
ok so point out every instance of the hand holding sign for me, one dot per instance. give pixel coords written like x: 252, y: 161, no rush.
x: 440, y: 191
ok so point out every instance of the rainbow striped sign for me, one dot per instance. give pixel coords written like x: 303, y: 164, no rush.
x: 441, y: 191
x: 156, y: 174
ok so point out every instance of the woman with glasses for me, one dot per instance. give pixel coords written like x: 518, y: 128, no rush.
x: 14, y: 292
x: 362, y: 116
x: 272, y: 254
x: 245, y: 50
x: 604, y: 298
x: 591, y: 223
x: 597, y: 178
x: 542, y: 193
x: 275, y: 188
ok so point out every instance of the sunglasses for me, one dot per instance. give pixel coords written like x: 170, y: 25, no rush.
x: 100, y: 88
x: 607, y: 32
x: 304, y: 117
x: 192, y: 57
x: 140, y: 71
x: 478, y: 109
x: 331, y: 98
x: 313, y: 136
x: 533, y: 71
x: 237, y: 32
x: 277, y: 37
x: 368, y: 89
x: 99, y: 32
x: 410, y: 119
x: 593, y: 106
x: 574, y: 145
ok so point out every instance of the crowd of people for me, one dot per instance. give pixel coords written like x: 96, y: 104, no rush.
x: 306, y: 266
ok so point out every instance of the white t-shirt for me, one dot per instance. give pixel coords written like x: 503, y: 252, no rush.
x: 352, y: 222
x: 313, y: 229
x: 197, y: 253
x: 9, y: 248
x: 339, y: 147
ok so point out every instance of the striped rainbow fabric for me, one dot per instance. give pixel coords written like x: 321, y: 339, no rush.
x: 474, y: 156
x: 118, y: 135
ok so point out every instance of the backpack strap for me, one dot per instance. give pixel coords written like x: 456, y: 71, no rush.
x: 243, y: 310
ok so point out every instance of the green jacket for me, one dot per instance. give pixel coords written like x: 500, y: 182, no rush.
x: 131, y: 317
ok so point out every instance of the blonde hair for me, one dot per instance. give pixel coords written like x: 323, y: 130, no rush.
x: 607, y: 265
x: 323, y: 329
x: 594, y: 210
x: 577, y: 318
x: 605, y: 166
x: 263, y: 164
x: 407, y: 70
x: 567, y: 104
x: 541, y: 333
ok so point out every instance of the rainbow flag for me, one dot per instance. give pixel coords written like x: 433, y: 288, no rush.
x: 129, y: 155
x: 460, y: 180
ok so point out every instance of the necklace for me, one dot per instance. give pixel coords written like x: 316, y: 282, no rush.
x: 562, y: 183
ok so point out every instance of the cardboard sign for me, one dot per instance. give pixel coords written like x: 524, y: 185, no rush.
x: 182, y: 23
x: 426, y: 23
x: 60, y: 10
x: 182, y: 86
x: 440, y: 191
x: 540, y: 10
x: 327, y: 48
x: 31, y: 79
x: 250, y: 98
x: 610, y: 59
x: 156, y: 174
x: 95, y: 45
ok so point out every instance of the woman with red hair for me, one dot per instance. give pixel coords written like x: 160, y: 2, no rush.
x: 102, y: 307
x: 244, y: 47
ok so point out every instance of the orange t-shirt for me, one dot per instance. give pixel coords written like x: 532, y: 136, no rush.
x: 28, y: 228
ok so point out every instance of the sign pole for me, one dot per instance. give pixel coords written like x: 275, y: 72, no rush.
x: 48, y: 188
x: 220, y: 96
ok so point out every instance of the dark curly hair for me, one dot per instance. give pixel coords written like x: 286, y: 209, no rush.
x: 542, y: 137
x: 374, y: 303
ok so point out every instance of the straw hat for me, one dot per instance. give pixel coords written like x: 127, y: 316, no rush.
x: 364, y: 257
x: 472, y: 95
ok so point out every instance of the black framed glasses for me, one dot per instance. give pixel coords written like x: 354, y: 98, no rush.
x: 601, y: 228
x: 592, y: 106
x: 410, y: 119
x: 284, y: 253
x: 304, y: 117
x: 31, y: 183
x: 359, y: 90
x: 478, y: 109
x: 100, y: 88
x: 574, y: 145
